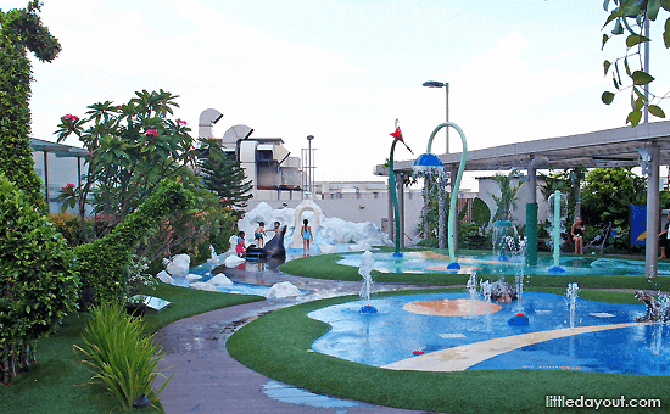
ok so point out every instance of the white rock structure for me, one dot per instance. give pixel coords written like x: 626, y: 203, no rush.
x: 282, y: 290
x: 179, y: 265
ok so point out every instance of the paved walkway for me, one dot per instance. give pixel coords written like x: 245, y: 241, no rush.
x: 210, y: 381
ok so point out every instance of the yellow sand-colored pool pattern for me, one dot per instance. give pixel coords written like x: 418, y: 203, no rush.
x: 463, y: 357
x: 456, y: 334
x: 458, y: 307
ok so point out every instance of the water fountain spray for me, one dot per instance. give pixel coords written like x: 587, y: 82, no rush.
x: 663, y: 306
x: 367, y: 262
x: 556, y: 218
x: 572, y: 293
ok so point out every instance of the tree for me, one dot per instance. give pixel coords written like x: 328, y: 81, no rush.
x: 565, y: 183
x: 628, y: 19
x: 507, y: 200
x: 222, y: 174
x: 20, y: 31
x: 131, y: 149
x: 609, y: 193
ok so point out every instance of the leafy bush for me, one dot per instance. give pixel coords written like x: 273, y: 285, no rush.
x: 121, y: 356
x: 69, y: 225
x: 20, y: 30
x: 471, y: 237
x: 38, y: 284
x: 103, y: 264
x: 481, y: 213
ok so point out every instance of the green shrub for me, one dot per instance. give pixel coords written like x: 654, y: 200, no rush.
x: 121, y: 356
x: 38, y: 283
x: 69, y: 225
x: 481, y: 213
x: 103, y: 264
x: 20, y: 30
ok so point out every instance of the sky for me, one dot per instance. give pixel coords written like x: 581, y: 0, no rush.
x: 343, y: 71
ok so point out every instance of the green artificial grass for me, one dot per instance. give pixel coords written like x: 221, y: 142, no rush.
x: 326, y: 267
x: 59, y: 382
x: 277, y: 345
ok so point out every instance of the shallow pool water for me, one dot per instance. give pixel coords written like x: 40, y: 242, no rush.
x: 432, y: 262
x: 393, y: 334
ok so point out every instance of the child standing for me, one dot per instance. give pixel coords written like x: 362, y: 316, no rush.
x: 306, y: 233
x: 240, y: 249
x: 260, y: 232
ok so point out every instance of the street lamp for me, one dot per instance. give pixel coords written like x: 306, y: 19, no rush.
x: 438, y: 85
x: 442, y: 206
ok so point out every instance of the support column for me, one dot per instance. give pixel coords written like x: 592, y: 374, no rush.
x: 391, y: 222
x: 531, y: 216
x: 401, y: 206
x: 653, y: 218
x: 47, y: 198
x: 454, y: 175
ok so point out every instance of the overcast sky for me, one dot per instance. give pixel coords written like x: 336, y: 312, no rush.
x: 342, y: 71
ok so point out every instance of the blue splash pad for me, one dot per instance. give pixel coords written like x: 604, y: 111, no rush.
x: 393, y: 334
x: 430, y: 262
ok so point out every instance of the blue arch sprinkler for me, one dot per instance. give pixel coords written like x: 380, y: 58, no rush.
x: 397, y: 135
x: 453, y: 204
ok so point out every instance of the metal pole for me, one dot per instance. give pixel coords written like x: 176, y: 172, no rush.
x: 401, y: 208
x: 46, y: 183
x: 391, y: 219
x: 653, y: 211
x: 446, y: 87
x: 646, y: 69
x: 309, y: 163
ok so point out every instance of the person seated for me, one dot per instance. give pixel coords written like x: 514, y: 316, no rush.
x: 663, y: 241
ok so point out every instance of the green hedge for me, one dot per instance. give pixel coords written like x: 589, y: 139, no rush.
x: 102, y: 264
x: 20, y: 31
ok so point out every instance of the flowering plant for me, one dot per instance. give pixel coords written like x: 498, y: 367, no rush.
x: 70, y: 118
x: 67, y: 197
x: 137, y: 273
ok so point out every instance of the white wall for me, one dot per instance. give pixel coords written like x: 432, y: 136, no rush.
x: 488, y: 187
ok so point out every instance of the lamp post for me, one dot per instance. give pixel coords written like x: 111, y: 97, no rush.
x: 438, y: 85
x: 442, y: 206
x: 310, y: 185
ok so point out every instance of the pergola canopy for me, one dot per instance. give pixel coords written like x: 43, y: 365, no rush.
x: 617, y: 147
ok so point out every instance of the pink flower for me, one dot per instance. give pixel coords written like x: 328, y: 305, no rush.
x: 179, y: 121
x: 69, y: 117
x: 151, y: 132
x: 71, y: 185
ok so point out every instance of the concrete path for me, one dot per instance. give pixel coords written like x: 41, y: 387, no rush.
x: 209, y: 381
